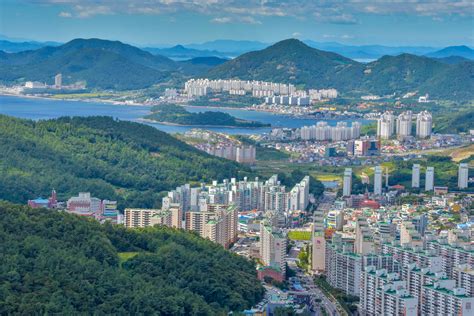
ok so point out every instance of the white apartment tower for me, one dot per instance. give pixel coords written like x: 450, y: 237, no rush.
x: 386, y: 125
x: 429, y: 180
x: 272, y: 247
x: 347, y: 185
x: 378, y: 180
x: 415, y: 176
x: 404, y: 124
x: 424, y: 123
x: 463, y: 175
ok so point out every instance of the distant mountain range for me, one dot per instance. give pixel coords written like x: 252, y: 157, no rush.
x: 113, y: 65
x: 234, y: 48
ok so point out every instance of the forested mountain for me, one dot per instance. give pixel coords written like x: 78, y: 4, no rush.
x: 114, y: 65
x: 102, y: 64
x: 294, y: 62
x: 55, y: 263
x: 124, y: 161
x: 460, y: 51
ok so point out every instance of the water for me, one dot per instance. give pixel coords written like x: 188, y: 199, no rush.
x: 40, y: 109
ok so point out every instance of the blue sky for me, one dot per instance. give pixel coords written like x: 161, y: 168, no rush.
x: 149, y: 22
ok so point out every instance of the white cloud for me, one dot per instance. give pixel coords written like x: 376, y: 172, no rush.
x: 296, y: 34
x: 222, y: 20
x: 64, y: 14
x: 328, y: 11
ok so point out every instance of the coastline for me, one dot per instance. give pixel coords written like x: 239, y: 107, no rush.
x: 198, y: 126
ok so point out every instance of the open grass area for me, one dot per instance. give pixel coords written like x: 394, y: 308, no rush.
x: 124, y: 256
x: 299, y: 235
x: 81, y: 95
x: 460, y: 153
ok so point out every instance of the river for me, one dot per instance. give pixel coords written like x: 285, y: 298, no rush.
x: 40, y: 109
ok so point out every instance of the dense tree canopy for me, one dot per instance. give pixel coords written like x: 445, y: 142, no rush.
x: 58, y: 263
x: 124, y: 161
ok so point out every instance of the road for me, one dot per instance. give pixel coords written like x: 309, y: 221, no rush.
x: 316, y: 293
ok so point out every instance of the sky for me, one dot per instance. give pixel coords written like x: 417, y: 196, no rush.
x: 434, y: 23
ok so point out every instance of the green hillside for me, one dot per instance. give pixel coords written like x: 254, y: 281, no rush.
x: 124, y: 161
x: 176, y: 114
x: 292, y: 61
x: 102, y: 64
x: 54, y: 263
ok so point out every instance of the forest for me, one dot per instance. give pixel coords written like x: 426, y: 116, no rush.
x: 176, y: 114
x: 117, y: 160
x: 61, y: 264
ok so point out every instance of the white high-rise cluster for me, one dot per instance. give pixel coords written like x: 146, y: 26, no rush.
x: 199, y: 87
x: 387, y: 125
x: 322, y: 94
x: 323, y: 131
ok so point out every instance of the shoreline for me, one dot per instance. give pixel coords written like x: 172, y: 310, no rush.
x: 198, y: 126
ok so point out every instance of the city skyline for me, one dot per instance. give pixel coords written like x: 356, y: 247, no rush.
x: 437, y: 23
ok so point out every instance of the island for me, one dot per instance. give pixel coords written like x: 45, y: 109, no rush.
x: 177, y: 115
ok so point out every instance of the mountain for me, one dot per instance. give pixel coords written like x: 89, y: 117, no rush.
x: 231, y: 47
x: 200, y: 65
x: 15, y: 47
x: 54, y: 263
x: 124, y: 161
x: 400, y: 73
x: 368, y: 51
x: 461, y: 51
x: 179, y: 52
x: 102, y: 64
x: 292, y: 61
x: 452, y: 60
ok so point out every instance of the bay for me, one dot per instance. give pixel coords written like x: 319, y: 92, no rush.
x: 40, y: 109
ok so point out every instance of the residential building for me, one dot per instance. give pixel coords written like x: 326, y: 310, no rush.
x: 415, y: 176
x: 463, y: 175
x: 386, y: 125
x: 429, y: 179
x: 424, y: 123
x: 347, y: 185
x: 404, y: 122
x: 378, y: 180
x: 443, y: 298
x: 273, y: 247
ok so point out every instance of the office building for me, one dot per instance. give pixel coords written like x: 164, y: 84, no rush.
x: 415, y: 176
x: 273, y: 247
x: 463, y: 175
x: 386, y: 125
x: 424, y: 123
x: 366, y: 147
x: 404, y: 122
x: 378, y: 180
x: 347, y: 184
x: 429, y: 179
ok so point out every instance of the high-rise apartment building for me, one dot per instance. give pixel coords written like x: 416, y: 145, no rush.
x: 383, y: 293
x: 424, y: 123
x: 444, y: 298
x: 386, y: 125
x: 272, y: 247
x: 404, y: 122
x: 347, y: 184
x: 429, y: 179
x: 415, y: 176
x: 378, y: 180
x: 463, y: 175
x: 464, y: 277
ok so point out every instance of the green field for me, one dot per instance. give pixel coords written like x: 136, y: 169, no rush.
x: 299, y: 235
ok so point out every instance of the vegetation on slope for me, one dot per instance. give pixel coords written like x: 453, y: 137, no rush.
x: 462, y: 121
x: 124, y: 161
x: 176, y: 114
x: 57, y: 263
